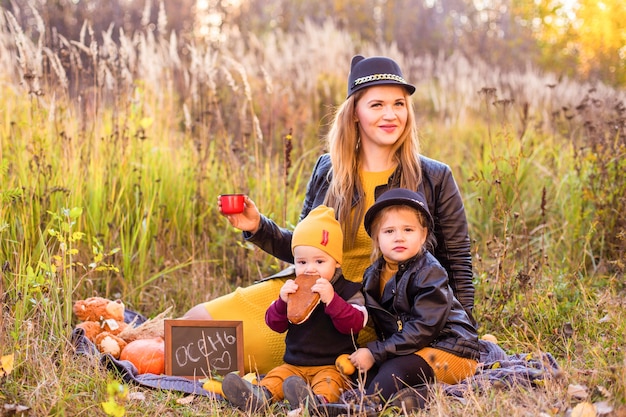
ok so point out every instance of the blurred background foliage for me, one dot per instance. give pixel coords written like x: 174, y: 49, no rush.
x: 584, y: 39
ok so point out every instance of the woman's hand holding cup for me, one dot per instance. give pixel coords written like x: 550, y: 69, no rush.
x: 240, y: 211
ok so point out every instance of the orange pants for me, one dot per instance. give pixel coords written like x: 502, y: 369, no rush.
x: 323, y: 380
x: 447, y: 367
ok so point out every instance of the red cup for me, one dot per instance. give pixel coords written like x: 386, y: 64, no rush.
x: 232, y: 203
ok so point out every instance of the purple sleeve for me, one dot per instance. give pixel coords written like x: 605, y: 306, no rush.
x: 346, y: 317
x: 276, y: 316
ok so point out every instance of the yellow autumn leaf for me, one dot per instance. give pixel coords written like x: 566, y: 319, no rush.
x: 6, y: 364
x: 584, y: 409
x: 251, y: 377
x: 114, y: 388
x: 111, y: 408
x: 214, y: 386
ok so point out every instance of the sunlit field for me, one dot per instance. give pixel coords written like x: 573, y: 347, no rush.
x: 112, y: 155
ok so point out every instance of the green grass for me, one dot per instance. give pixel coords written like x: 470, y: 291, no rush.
x: 114, y: 194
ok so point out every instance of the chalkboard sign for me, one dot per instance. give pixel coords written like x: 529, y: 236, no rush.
x: 197, y: 348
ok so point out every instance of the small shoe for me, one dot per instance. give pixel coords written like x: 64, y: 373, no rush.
x: 298, y: 393
x: 243, y: 394
x: 410, y: 398
x: 358, y: 398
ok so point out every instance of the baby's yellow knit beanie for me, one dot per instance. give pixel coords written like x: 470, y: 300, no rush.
x: 320, y: 229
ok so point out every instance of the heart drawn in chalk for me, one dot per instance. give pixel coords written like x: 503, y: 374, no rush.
x: 224, y: 362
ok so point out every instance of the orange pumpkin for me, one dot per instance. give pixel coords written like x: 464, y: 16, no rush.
x: 148, y: 355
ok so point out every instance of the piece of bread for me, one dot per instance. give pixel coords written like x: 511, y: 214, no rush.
x: 301, y: 303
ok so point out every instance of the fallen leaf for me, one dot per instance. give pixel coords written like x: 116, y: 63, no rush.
x: 584, y: 409
x: 296, y: 412
x: 15, y: 408
x: 137, y: 396
x: 6, y: 364
x: 603, y: 408
x: 214, y: 386
x: 580, y: 392
x: 112, y: 408
x: 186, y: 400
x: 251, y: 378
x: 117, y: 390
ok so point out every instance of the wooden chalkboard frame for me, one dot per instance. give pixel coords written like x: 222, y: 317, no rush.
x: 197, y: 330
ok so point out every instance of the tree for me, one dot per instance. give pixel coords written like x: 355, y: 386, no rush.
x: 601, y: 39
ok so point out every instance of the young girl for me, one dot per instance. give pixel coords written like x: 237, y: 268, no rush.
x: 423, y: 331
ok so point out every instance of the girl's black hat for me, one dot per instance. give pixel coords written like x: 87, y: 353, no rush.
x: 376, y: 70
x: 398, y: 197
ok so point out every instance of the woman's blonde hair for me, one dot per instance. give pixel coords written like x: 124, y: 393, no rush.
x: 343, y: 145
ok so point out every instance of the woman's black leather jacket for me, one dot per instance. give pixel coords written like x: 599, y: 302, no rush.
x: 445, y: 205
x: 416, y: 310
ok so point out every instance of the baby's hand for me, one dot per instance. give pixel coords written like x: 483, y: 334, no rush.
x: 325, y: 289
x: 289, y: 287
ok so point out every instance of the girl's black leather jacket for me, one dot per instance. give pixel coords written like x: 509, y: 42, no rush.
x: 416, y: 310
x: 445, y: 205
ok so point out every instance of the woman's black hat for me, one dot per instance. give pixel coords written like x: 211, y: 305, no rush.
x: 376, y: 70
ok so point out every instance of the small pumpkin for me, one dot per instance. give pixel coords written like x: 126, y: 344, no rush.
x: 148, y: 355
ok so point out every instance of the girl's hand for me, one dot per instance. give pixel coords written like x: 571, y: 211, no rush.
x: 362, y: 359
x: 325, y: 289
x: 289, y: 287
x: 247, y: 221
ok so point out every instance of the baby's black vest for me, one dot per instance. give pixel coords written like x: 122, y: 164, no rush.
x: 317, y: 342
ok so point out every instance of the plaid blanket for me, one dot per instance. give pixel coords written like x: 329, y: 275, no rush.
x: 497, y: 368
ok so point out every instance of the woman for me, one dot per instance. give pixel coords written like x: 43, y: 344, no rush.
x: 373, y: 146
